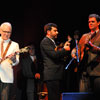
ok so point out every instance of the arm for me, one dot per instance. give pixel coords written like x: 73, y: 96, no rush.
x: 14, y: 59
x: 49, y: 50
x: 93, y: 48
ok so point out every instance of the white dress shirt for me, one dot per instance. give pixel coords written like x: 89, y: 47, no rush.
x: 6, y: 70
x: 33, y: 58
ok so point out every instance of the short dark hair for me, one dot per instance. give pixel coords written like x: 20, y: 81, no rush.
x: 49, y: 26
x: 31, y: 44
x: 96, y: 16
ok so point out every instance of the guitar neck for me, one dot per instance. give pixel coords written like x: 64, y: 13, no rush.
x: 25, y: 49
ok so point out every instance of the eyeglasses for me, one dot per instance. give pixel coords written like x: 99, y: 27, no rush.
x: 6, y: 31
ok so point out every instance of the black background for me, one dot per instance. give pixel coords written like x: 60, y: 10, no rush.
x: 29, y: 17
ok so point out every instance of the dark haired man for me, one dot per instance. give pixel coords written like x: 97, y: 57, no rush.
x: 89, y: 50
x: 53, y: 67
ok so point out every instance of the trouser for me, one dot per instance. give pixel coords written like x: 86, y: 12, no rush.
x: 4, y: 91
x: 95, y: 86
x: 84, y: 84
x: 31, y: 92
x: 53, y: 90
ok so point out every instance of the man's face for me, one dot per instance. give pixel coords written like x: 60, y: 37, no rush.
x: 5, y: 32
x: 32, y: 51
x: 93, y: 24
x: 53, y: 32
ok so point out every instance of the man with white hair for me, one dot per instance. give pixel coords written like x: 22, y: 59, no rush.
x: 8, y: 59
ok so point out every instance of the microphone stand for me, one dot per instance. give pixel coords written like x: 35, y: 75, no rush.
x: 76, y: 41
x: 77, y: 50
x: 69, y: 63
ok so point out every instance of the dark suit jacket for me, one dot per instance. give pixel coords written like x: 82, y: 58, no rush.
x: 93, y: 54
x: 53, y: 65
x: 29, y: 67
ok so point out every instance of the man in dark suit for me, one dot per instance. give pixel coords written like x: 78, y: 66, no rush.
x: 89, y: 48
x: 53, y: 66
x: 31, y: 72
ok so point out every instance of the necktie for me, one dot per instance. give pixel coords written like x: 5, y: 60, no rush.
x: 2, y: 48
x: 93, y: 34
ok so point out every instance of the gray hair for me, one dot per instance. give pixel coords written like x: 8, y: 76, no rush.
x: 6, y: 24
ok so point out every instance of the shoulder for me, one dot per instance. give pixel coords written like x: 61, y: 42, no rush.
x: 83, y: 37
x: 86, y: 34
x: 25, y: 58
x: 14, y: 43
x: 45, y: 40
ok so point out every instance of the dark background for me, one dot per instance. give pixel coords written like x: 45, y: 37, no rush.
x: 29, y: 17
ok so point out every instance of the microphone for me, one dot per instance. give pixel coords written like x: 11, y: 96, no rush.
x: 76, y: 37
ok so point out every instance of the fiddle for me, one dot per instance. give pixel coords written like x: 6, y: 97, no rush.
x: 59, y: 47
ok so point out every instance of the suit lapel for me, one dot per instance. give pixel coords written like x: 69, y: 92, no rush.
x: 51, y: 42
x: 96, y: 38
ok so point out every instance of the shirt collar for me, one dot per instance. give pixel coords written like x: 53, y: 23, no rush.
x: 51, y: 40
x: 97, y: 30
x: 5, y: 41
